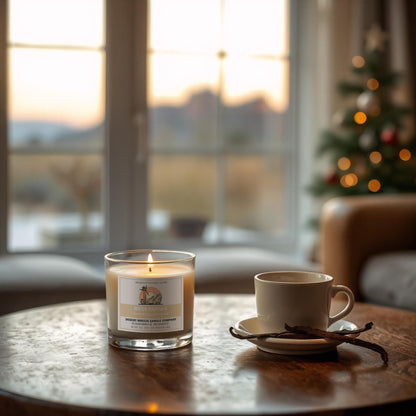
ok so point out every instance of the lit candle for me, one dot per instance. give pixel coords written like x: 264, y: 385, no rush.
x: 150, y: 298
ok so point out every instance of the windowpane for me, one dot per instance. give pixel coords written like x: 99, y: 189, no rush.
x: 57, y: 22
x: 246, y: 79
x: 183, y: 103
x: 224, y: 99
x: 182, y: 195
x: 254, y: 193
x: 56, y: 86
x: 55, y: 125
x: 55, y: 201
x: 255, y: 109
x: 256, y: 27
x: 173, y: 78
x: 185, y: 25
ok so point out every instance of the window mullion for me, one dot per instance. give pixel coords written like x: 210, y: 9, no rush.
x: 126, y: 178
x: 221, y: 203
x: 221, y: 191
x: 140, y: 167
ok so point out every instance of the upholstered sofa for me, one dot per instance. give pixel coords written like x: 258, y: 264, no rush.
x: 30, y: 280
x: 369, y: 244
x: 232, y: 269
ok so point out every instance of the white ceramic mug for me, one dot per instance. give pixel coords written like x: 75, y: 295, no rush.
x: 297, y: 298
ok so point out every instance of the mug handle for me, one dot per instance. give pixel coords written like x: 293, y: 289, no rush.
x: 340, y: 288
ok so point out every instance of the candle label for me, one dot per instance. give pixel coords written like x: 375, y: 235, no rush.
x: 150, y: 305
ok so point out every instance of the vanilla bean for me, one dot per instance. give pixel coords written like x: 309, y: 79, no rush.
x: 342, y: 338
x: 305, y: 332
x: 291, y: 334
x: 284, y: 334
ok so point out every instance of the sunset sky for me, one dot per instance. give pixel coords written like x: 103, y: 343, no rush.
x: 66, y: 85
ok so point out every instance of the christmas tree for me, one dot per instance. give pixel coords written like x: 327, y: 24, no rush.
x: 369, y: 147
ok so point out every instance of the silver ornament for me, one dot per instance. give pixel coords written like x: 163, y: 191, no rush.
x: 368, y: 102
x: 367, y: 140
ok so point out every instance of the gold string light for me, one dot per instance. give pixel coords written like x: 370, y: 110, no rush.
x: 360, y: 117
x: 358, y: 61
x: 344, y: 163
x: 405, y: 155
x: 373, y: 84
x: 349, y: 180
x: 374, y: 185
x: 375, y: 157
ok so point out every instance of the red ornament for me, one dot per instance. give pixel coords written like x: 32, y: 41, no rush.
x: 389, y: 136
x: 331, y: 177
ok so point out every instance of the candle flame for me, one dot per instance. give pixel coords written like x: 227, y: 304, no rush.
x: 150, y: 261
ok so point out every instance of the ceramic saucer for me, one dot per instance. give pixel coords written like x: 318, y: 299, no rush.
x: 289, y: 346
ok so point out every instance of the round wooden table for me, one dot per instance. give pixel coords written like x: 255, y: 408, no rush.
x: 55, y: 360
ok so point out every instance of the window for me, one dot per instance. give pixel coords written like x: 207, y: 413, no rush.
x: 55, y: 84
x: 159, y: 122
x: 221, y: 152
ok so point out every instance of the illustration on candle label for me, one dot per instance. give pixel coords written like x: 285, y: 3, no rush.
x: 149, y: 304
x: 150, y: 296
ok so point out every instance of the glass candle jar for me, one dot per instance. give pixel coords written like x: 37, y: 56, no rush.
x: 150, y: 299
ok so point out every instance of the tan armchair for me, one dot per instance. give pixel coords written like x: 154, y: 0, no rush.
x: 356, y: 228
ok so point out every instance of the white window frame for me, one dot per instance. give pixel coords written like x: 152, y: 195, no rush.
x: 3, y: 128
x: 126, y: 114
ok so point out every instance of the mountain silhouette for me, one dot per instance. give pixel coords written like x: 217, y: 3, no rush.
x: 201, y: 122
x: 204, y: 118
